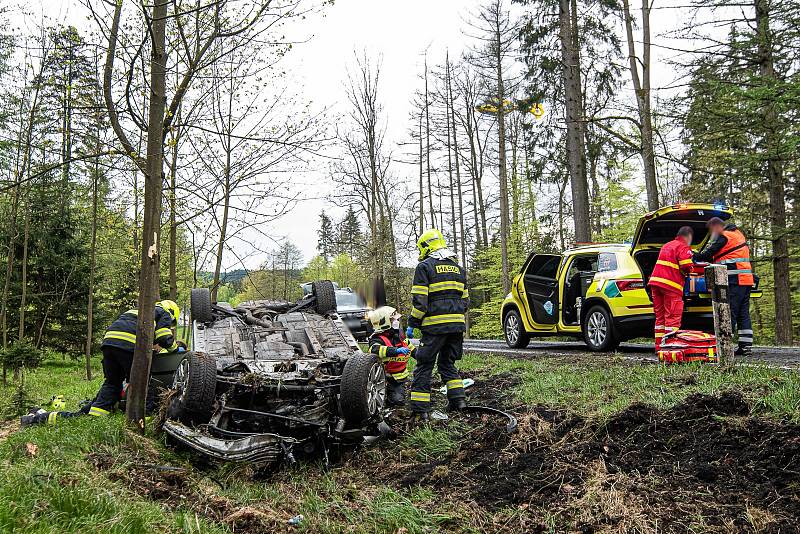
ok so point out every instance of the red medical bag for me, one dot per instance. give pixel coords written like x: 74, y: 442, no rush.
x: 688, y: 346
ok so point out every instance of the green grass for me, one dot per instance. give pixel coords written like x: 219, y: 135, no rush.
x: 59, y: 489
x: 602, y: 387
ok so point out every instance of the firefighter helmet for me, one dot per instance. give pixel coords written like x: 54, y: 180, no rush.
x: 171, y: 308
x: 430, y: 241
x: 381, y: 318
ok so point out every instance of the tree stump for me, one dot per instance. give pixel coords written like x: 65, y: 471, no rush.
x: 717, y: 282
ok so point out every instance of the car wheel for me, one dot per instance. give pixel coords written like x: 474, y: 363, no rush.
x: 200, y: 304
x: 326, y: 296
x: 598, y: 330
x: 362, y: 394
x: 514, y: 331
x: 195, y: 384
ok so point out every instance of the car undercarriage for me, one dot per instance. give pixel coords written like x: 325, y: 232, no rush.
x: 269, y: 380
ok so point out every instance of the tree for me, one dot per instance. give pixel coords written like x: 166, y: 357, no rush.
x: 641, y: 89
x: 212, y: 23
x: 325, y: 237
x: 499, y: 35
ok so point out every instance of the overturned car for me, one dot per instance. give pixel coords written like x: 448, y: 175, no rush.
x: 266, y: 381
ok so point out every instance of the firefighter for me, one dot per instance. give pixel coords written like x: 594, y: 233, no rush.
x: 667, y: 282
x: 117, y: 348
x: 439, y: 301
x: 728, y: 246
x: 389, y: 344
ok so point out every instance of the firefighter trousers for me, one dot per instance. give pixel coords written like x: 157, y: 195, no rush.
x: 116, y: 370
x: 668, y: 307
x: 395, y: 391
x: 740, y: 313
x: 444, y: 349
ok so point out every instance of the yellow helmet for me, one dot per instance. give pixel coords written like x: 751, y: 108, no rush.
x: 381, y: 318
x: 171, y: 308
x: 429, y: 241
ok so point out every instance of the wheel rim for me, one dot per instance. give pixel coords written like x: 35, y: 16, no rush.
x: 597, y: 328
x: 376, y: 389
x: 512, y: 328
x: 181, y: 379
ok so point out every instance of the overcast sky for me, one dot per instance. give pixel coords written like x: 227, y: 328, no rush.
x: 400, y: 32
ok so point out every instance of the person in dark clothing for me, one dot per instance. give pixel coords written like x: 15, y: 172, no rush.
x: 389, y: 344
x: 439, y: 302
x: 728, y: 246
x: 117, y: 348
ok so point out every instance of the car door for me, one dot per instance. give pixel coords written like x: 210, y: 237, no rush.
x: 540, y: 282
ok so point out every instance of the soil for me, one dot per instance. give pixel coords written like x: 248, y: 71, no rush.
x: 703, y: 465
x: 178, y: 487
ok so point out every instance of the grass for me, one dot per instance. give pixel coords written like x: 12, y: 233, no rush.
x: 50, y: 482
x: 603, y: 387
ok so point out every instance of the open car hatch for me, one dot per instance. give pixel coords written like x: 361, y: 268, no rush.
x: 659, y: 227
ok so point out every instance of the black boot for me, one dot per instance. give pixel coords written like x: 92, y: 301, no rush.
x: 457, y: 404
x: 421, y: 417
x: 35, y: 417
x: 395, y: 394
x: 743, y: 351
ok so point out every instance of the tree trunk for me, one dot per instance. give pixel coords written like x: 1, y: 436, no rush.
x: 24, y: 279
x: 173, y: 226
x: 775, y: 177
x: 428, y: 147
x: 573, y: 94
x: 501, y: 151
x: 641, y: 88
x: 148, y: 277
x: 447, y: 103
x: 421, y: 183
x: 451, y: 102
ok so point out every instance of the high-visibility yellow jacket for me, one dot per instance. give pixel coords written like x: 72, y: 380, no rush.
x: 439, y: 297
x: 122, y: 332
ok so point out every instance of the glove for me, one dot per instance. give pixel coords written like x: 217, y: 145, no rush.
x: 403, y: 350
x: 409, y: 332
x: 181, y: 350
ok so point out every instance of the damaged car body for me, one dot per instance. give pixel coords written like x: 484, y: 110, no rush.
x: 268, y: 380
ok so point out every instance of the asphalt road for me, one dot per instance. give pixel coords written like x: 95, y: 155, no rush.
x: 788, y: 357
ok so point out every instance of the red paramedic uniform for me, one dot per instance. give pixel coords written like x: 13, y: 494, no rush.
x: 666, y: 286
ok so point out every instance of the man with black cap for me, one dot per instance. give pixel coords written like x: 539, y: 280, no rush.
x: 728, y: 246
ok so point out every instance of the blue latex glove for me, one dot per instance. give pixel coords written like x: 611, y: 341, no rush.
x: 409, y: 332
x: 403, y: 350
x: 181, y: 350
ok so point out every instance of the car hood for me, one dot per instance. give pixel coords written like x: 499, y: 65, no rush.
x: 660, y: 226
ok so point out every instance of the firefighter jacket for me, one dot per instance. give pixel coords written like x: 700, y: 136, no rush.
x: 439, y: 297
x: 674, y: 262
x: 730, y: 249
x: 122, y: 332
x: 385, y: 345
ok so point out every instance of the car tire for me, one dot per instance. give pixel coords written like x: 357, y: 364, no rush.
x: 326, y: 296
x: 362, y: 393
x: 514, y: 331
x: 200, y: 305
x: 195, y: 384
x: 598, y: 330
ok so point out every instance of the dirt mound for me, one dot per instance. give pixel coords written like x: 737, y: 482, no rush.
x: 178, y: 487
x: 702, y: 465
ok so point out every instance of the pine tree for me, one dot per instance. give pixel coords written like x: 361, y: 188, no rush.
x: 325, y: 237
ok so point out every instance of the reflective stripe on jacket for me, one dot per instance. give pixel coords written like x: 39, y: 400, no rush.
x: 674, y: 260
x: 394, y: 363
x: 439, y: 297
x: 735, y: 255
x: 122, y: 332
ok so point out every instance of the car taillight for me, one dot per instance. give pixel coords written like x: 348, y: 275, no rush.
x: 629, y: 285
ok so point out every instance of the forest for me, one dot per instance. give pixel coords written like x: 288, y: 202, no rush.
x: 548, y: 129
